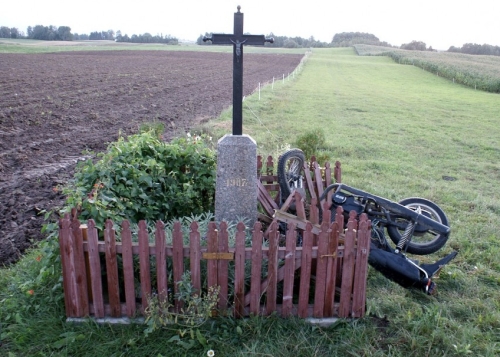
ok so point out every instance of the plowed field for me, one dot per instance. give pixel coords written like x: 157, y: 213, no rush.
x: 54, y: 107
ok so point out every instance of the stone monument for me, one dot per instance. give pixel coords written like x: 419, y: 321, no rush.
x: 236, y: 185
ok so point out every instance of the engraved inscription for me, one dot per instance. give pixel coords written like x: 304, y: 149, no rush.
x: 238, y: 182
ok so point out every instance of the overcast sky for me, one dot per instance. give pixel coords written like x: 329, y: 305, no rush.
x: 438, y: 23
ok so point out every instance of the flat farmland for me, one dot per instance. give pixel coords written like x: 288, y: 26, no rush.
x: 56, y: 106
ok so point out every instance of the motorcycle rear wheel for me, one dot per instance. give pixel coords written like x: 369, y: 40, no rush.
x: 423, y: 241
x: 290, y: 172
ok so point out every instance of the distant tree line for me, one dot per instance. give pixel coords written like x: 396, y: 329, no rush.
x: 10, y: 32
x: 348, y: 39
x: 63, y: 33
x: 294, y: 42
x: 146, y: 38
x: 279, y: 41
x: 476, y: 49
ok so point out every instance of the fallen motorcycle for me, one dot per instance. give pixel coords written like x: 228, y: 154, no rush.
x: 415, y: 225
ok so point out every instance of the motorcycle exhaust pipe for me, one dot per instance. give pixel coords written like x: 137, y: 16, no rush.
x: 406, y: 272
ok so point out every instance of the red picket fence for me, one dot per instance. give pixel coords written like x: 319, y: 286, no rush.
x: 325, y: 276
x: 331, y: 281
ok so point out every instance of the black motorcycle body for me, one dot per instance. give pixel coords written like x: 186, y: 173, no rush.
x: 415, y: 225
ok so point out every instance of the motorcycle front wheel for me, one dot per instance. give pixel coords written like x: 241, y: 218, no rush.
x: 290, y: 172
x: 424, y: 241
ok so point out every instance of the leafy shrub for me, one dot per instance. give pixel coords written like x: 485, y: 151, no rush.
x: 142, y: 177
x: 313, y: 142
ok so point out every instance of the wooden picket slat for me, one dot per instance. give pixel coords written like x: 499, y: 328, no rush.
x: 289, y: 270
x: 318, y: 180
x: 331, y: 270
x: 348, y: 267
x: 322, y: 264
x: 222, y: 267
x: 64, y: 247
x: 337, y: 172
x: 269, y: 169
x: 361, y: 267
x: 161, y: 261
x: 305, y: 274
x: 309, y: 181
x: 239, y: 271
x: 144, y: 264
x: 178, y: 261
x: 272, y: 269
x: 268, y: 204
x: 195, y: 256
x: 128, y: 268
x: 212, y: 248
x: 256, y: 268
x: 95, y: 269
x: 112, y: 269
x: 299, y: 205
x: 82, y: 297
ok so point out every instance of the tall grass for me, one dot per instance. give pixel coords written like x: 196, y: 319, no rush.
x: 398, y: 131
x: 475, y: 71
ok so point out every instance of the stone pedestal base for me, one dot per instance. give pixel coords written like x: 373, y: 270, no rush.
x: 236, y: 185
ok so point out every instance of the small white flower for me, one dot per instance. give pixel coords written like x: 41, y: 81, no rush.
x: 210, y: 353
x: 188, y: 135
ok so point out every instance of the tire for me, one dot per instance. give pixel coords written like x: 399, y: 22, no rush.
x: 290, y: 172
x: 423, y: 241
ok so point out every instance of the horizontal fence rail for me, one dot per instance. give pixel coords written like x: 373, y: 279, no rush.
x: 106, y: 274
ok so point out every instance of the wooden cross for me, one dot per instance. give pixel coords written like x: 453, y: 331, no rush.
x: 238, y: 39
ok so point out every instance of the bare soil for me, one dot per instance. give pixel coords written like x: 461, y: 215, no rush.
x: 54, y: 107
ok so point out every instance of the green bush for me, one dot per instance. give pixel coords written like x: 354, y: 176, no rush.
x: 313, y: 142
x: 142, y: 177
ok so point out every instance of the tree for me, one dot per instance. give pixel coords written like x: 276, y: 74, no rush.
x: 414, y: 46
x: 289, y: 43
x: 14, y: 33
x: 4, y: 32
x: 64, y: 33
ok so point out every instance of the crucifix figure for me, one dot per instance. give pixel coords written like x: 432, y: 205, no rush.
x: 237, y: 39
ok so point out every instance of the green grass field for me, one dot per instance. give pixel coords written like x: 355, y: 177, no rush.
x: 398, y: 131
